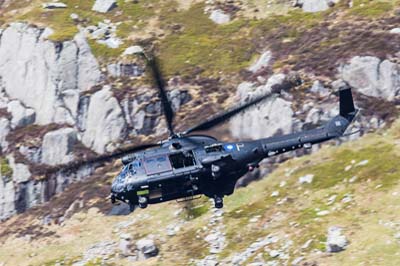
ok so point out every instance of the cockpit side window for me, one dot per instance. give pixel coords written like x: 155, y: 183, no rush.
x: 214, y: 148
x: 182, y: 159
x: 133, y: 166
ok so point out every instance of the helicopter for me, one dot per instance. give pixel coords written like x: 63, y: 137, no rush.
x: 186, y: 166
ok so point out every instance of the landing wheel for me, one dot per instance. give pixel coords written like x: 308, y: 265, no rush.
x: 131, y: 207
x: 218, y: 202
x: 143, y: 202
x: 113, y: 199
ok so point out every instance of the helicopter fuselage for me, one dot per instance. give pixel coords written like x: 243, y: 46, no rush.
x: 184, y: 167
x: 181, y: 169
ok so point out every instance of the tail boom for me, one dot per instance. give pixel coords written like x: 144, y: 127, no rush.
x: 335, y: 128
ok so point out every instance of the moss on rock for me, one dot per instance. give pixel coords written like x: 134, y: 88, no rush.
x: 5, y: 169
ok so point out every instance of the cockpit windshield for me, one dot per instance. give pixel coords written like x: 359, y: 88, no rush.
x: 131, y: 168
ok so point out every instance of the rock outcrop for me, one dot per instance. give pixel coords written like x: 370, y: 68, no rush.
x: 126, y: 247
x: 44, y: 75
x: 57, y: 146
x: 266, y: 119
x: 21, y: 173
x: 42, y: 82
x: 336, y: 241
x: 21, y: 116
x: 4, y: 130
x: 7, y: 197
x: 54, y: 5
x: 135, y: 49
x: 146, y: 248
x: 219, y: 17
x: 372, y: 77
x: 313, y: 6
x: 125, y: 70
x: 105, y: 32
x: 262, y: 62
x: 105, y: 122
x: 103, y: 6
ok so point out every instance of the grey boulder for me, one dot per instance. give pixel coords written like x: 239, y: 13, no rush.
x: 105, y: 121
x: 125, y: 246
x: 263, y: 61
x: 319, y: 88
x: 135, y: 49
x: 395, y: 31
x: 21, y: 171
x: 372, y: 77
x: 21, y: 115
x: 54, y: 5
x: 267, y: 118
x: 124, y: 70
x: 219, y: 17
x: 313, y: 6
x: 7, y: 197
x: 4, y: 130
x: 147, y: 248
x: 104, y: 6
x: 336, y: 241
x: 58, y: 145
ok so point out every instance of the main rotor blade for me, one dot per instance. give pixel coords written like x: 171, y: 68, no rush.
x: 98, y: 159
x: 216, y: 120
x: 168, y: 112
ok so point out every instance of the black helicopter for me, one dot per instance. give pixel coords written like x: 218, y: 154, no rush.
x: 185, y: 166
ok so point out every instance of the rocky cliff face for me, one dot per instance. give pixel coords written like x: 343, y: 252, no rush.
x: 71, y: 87
x: 44, y: 83
x: 373, y: 77
x: 60, y: 83
x: 46, y: 76
x: 41, y: 83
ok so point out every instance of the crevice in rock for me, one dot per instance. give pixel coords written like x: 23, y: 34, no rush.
x: 58, y: 46
x: 83, y: 107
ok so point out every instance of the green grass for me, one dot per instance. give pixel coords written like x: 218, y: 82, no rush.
x: 194, y: 209
x: 194, y: 247
x: 371, y: 9
x: 5, y: 169
x: 200, y: 46
x: 65, y: 28
x: 223, y: 48
x: 59, y: 19
x: 102, y: 51
x: 382, y: 163
x: 239, y: 237
x: 204, y: 45
x: 358, y: 218
x: 61, y: 261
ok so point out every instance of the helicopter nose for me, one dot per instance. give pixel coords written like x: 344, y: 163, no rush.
x: 117, y: 185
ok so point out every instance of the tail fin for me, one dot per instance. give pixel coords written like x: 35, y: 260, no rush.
x: 346, y: 102
x: 338, y: 125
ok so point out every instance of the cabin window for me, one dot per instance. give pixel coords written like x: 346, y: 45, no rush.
x: 157, y: 164
x: 214, y: 148
x: 182, y: 159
